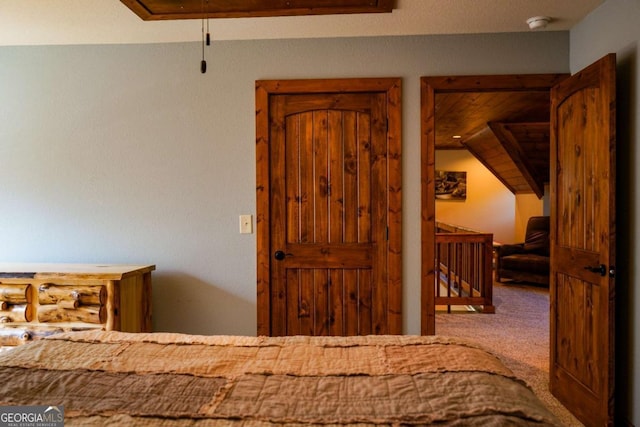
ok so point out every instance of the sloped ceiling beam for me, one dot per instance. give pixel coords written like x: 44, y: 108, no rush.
x: 476, y: 145
x: 519, y: 157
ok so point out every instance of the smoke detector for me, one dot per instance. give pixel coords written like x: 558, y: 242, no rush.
x: 538, y: 22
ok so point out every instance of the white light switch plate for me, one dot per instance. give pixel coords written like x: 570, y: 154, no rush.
x: 246, y: 224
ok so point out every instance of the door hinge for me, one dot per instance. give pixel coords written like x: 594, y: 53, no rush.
x: 387, y: 233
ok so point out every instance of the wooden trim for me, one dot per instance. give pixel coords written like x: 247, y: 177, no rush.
x: 494, y: 83
x: 428, y: 206
x: 394, y: 213
x: 429, y: 87
x: 392, y: 87
x: 262, y: 207
x: 279, y: 87
x: 156, y: 10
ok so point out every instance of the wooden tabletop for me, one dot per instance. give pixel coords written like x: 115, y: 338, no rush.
x: 97, y: 271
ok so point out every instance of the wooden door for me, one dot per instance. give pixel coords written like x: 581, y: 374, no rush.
x: 327, y: 265
x: 583, y: 242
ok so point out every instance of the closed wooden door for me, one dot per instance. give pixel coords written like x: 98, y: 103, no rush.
x: 583, y: 242
x: 329, y: 253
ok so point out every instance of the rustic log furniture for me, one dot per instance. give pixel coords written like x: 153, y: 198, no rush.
x: 37, y: 300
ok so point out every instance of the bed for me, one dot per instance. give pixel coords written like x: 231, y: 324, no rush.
x: 163, y: 379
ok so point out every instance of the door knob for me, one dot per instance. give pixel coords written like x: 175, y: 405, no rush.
x: 279, y: 255
x: 602, y: 269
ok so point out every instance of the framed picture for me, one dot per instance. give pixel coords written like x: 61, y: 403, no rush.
x: 451, y: 185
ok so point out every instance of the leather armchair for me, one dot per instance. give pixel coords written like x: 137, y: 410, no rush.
x: 527, y: 261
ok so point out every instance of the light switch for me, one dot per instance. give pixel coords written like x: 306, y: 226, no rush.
x: 246, y: 224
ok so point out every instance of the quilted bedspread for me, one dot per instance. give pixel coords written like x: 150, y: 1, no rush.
x: 162, y: 379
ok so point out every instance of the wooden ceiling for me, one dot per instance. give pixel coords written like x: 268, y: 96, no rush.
x: 151, y: 10
x: 508, y: 132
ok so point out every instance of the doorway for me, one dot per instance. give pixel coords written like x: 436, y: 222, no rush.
x: 583, y: 226
x: 457, y: 96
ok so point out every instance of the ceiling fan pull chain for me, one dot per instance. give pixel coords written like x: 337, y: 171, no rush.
x: 203, y: 63
x: 208, y: 35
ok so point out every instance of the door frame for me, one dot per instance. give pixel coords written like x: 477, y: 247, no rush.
x: 392, y: 87
x: 429, y: 87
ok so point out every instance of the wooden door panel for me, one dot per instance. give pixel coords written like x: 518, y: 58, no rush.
x: 329, y: 255
x: 578, y: 353
x: 329, y: 302
x: 327, y: 158
x: 582, y: 285
x: 577, y: 208
x: 328, y: 191
x: 332, y: 206
x: 337, y: 303
x: 299, y: 103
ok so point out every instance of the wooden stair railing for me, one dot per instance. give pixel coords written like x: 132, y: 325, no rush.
x: 464, y: 268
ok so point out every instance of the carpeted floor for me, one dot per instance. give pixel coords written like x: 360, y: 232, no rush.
x: 518, y: 333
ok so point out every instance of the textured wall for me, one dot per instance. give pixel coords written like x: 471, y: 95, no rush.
x: 128, y: 154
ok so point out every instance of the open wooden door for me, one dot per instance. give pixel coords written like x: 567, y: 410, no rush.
x: 583, y: 242
x: 329, y: 207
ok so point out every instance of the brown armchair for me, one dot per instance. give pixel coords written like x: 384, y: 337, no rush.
x: 528, y: 261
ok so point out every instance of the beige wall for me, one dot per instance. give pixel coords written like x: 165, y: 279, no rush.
x: 489, y: 206
x: 527, y: 205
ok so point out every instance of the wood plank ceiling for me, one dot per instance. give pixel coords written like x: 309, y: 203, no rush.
x: 150, y: 10
x: 508, y: 132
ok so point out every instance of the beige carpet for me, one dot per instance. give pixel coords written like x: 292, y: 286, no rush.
x: 518, y: 333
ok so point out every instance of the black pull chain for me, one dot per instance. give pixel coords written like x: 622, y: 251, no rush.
x: 203, y: 63
x: 208, y: 35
